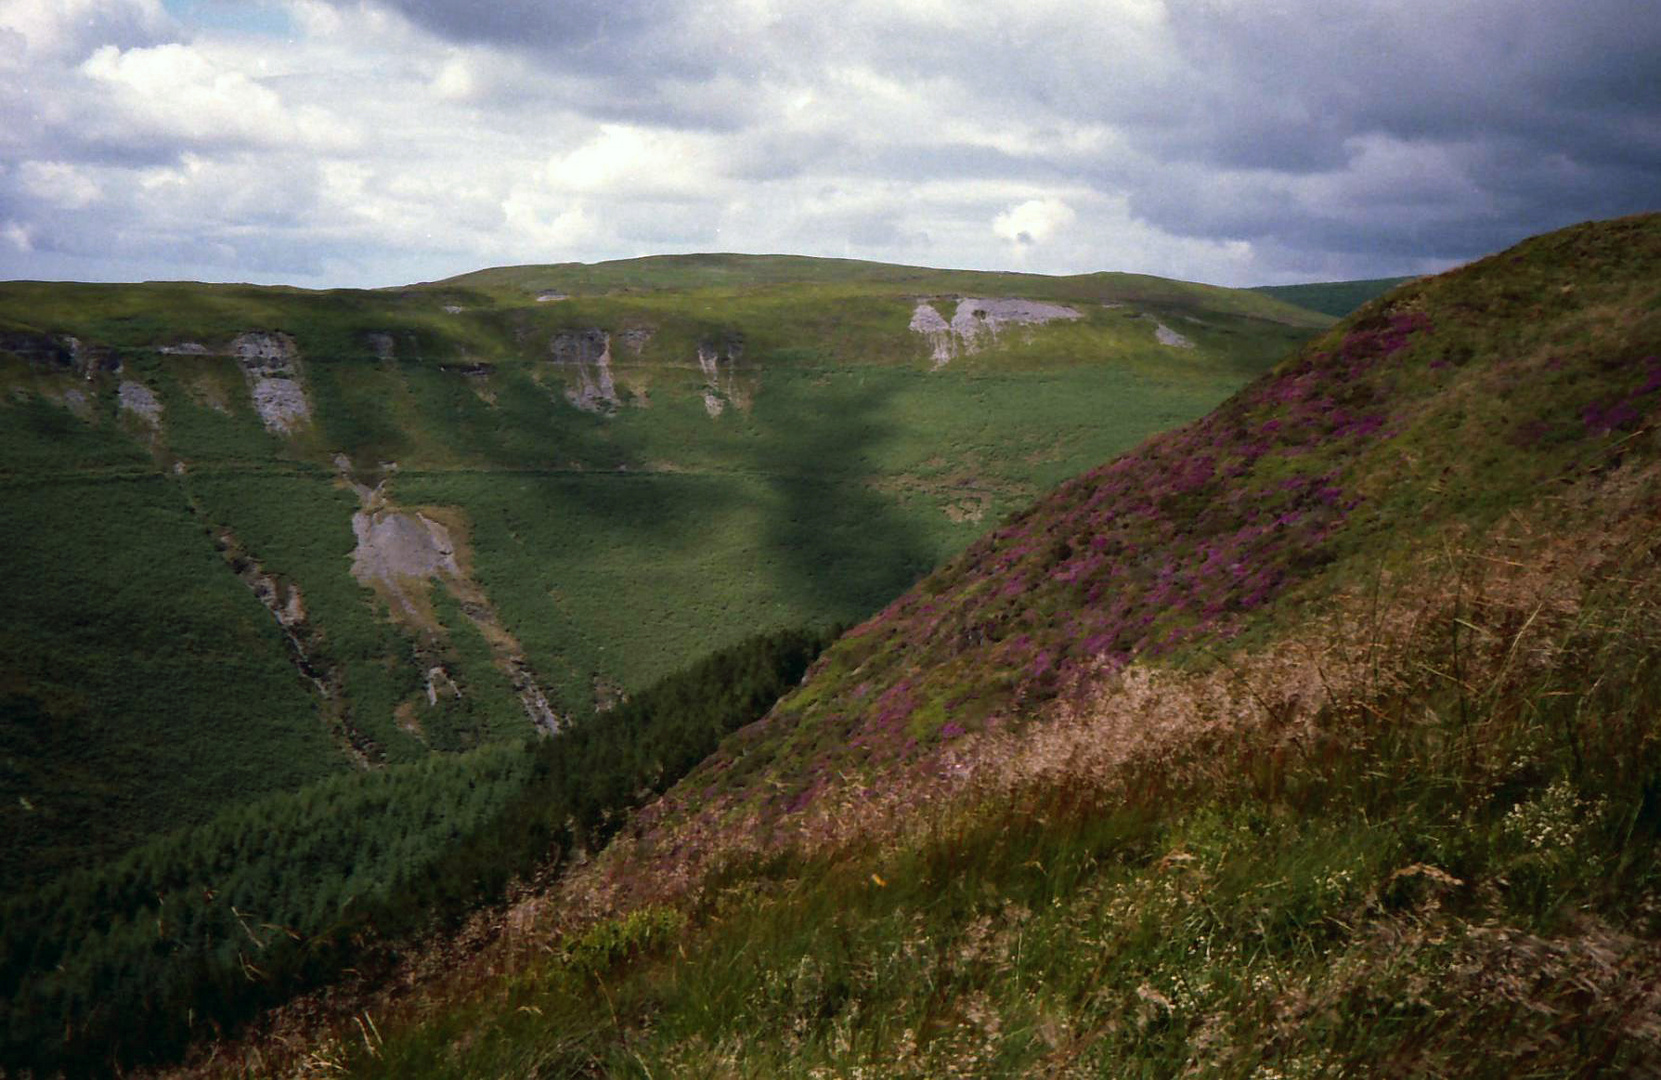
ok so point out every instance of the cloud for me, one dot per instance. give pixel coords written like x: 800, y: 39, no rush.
x: 1238, y: 141
x: 59, y: 184
x: 628, y: 162
x: 16, y: 234
x: 177, y: 92
x: 68, y: 30
x: 1031, y: 223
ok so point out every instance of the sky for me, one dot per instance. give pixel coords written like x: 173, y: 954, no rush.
x: 369, y: 143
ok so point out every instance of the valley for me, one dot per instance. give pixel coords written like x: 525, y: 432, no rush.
x: 787, y: 541
x: 1315, y: 732
x: 258, y: 536
x: 1313, y: 737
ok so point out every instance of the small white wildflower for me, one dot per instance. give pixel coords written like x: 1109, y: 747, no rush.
x: 1554, y: 820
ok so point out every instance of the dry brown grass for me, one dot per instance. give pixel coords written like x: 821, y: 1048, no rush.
x: 1136, y: 732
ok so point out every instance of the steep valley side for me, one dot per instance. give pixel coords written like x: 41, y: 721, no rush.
x: 624, y: 477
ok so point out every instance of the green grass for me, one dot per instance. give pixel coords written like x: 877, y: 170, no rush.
x: 116, y: 603
x: 298, y: 525
x: 1335, y: 298
x: 716, y: 273
x: 840, y: 490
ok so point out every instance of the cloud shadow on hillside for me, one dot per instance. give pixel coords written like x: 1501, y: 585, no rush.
x: 842, y: 544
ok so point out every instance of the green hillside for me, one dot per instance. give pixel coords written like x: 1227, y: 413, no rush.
x: 1317, y: 737
x: 257, y: 537
x: 681, y: 273
x: 1335, y: 298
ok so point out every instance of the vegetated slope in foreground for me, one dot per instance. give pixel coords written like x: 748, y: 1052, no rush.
x: 1317, y: 737
x: 258, y: 536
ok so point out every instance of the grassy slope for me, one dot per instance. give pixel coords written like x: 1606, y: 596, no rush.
x: 1406, y: 826
x: 116, y: 604
x: 716, y: 271
x: 1181, y: 543
x: 1335, y: 298
x: 615, y: 549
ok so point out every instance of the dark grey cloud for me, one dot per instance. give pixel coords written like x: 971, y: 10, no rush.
x: 1544, y: 115
x: 1262, y: 121
x: 609, y: 39
x: 1411, y: 68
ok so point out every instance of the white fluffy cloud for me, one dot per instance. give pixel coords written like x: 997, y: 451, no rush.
x: 375, y: 141
x: 623, y: 162
x: 67, y: 30
x: 1032, y: 223
x: 17, y: 235
x: 184, y: 94
x: 59, y: 184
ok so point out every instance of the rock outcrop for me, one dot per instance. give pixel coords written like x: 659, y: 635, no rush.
x: 978, y: 321
x: 721, y: 386
x: 271, y: 365
x: 139, y: 400
x: 585, y: 358
x: 1166, y: 336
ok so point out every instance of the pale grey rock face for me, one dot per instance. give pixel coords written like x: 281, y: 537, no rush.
x: 978, y: 322
x: 585, y: 357
x: 721, y: 386
x: 271, y: 365
x: 281, y: 403
x: 257, y: 350
x: 393, y: 544
x: 975, y: 315
x: 1167, y: 336
x: 139, y: 400
x: 91, y: 360
x: 937, y: 331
